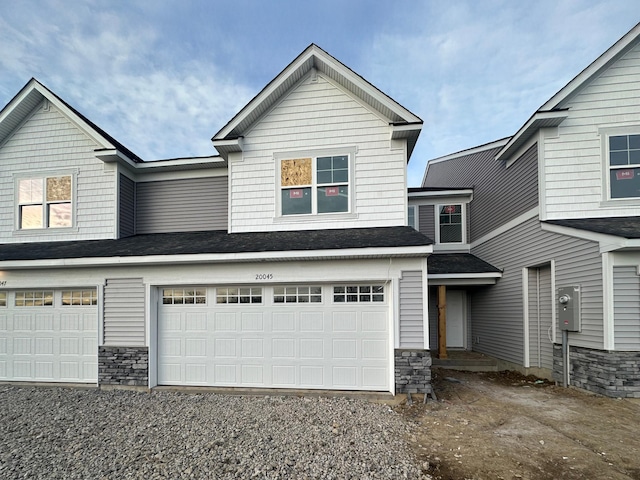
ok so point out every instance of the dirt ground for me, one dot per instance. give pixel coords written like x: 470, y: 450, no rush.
x: 506, y: 426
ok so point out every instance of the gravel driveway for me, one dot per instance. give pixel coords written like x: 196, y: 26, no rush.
x: 90, y: 433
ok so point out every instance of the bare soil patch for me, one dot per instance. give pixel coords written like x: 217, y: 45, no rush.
x: 503, y: 425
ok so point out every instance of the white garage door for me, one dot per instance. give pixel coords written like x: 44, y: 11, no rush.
x: 49, y: 335
x: 332, y: 337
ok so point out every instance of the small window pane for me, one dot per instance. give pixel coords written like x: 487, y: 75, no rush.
x: 58, y: 189
x: 59, y: 214
x: 634, y: 157
x: 618, y: 142
x: 296, y: 201
x: 30, y: 191
x: 625, y: 182
x: 3, y: 299
x: 31, y: 216
x: 634, y: 142
x: 450, y: 233
x: 333, y: 199
x: 619, y: 158
x: 341, y: 162
x: 324, y: 163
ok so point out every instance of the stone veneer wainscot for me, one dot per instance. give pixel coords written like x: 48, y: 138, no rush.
x: 123, y: 366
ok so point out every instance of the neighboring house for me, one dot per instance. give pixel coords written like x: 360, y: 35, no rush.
x: 555, y: 206
x: 284, y: 262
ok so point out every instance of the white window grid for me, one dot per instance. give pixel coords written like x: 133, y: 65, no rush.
x: 76, y: 298
x: 184, y: 296
x: 44, y: 203
x: 297, y: 294
x: 34, y: 298
x: 358, y: 293
x: 234, y: 295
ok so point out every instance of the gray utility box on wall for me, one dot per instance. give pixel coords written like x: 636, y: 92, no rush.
x: 569, y: 308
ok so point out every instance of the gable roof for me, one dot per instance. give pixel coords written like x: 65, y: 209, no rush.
x: 405, y: 124
x: 32, y: 94
x: 552, y: 113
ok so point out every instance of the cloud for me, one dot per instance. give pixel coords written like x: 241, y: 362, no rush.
x: 124, y: 75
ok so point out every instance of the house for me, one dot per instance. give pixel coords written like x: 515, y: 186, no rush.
x: 285, y: 261
x: 556, y: 207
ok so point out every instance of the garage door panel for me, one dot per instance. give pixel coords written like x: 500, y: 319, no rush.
x: 374, y: 349
x: 374, y: 322
x: 225, y: 322
x: 70, y: 346
x: 196, y: 373
x: 22, y: 369
x: 197, y: 347
x: 195, y: 322
x: 283, y: 322
x: 252, y: 374
x: 69, y: 322
x: 311, y: 348
x: 44, y: 370
x: 226, y: 374
x: 312, y: 322
x: 172, y: 322
x: 371, y: 377
x: 44, y: 346
x: 283, y: 348
x: 225, y: 347
x: 345, y: 322
x: 344, y: 349
x: 252, y: 322
x: 284, y: 375
x: 171, y: 373
x: 3, y: 346
x: 22, y: 323
x: 44, y: 322
x: 252, y: 348
x: 345, y: 377
x: 22, y: 346
x: 3, y: 324
x: 312, y: 376
x: 171, y: 347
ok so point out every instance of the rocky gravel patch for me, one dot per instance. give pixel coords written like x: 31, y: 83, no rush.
x: 96, y: 434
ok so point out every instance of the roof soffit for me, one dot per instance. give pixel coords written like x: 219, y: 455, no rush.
x: 314, y: 58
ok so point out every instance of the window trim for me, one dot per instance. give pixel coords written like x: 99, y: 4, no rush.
x: 350, y: 152
x: 606, y: 134
x: 297, y: 295
x: 43, y: 175
x: 463, y: 221
x: 359, y: 294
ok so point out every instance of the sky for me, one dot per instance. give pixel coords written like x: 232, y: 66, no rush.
x: 163, y: 76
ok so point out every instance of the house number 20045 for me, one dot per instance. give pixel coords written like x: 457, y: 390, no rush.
x: 264, y: 276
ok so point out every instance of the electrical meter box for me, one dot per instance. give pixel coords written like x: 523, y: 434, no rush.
x: 569, y: 308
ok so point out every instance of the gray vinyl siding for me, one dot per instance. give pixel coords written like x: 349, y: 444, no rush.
x: 184, y: 205
x: 411, y: 311
x: 497, y: 311
x: 127, y: 207
x: 124, y: 303
x: 499, y: 193
x: 626, y: 310
x: 540, y: 321
x: 427, y: 221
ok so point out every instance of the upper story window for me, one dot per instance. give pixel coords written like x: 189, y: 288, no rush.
x: 44, y: 202
x: 315, y: 185
x: 450, y: 224
x: 413, y: 217
x: 624, y: 166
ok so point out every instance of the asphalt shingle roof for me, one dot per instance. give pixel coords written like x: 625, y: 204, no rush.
x: 450, y: 263
x: 189, y: 243
x: 626, y: 227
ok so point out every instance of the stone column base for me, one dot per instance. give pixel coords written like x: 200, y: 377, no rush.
x: 413, y: 371
x: 123, y: 366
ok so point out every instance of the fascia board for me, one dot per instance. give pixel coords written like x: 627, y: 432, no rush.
x: 465, y: 275
x: 538, y: 120
x: 416, y: 251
